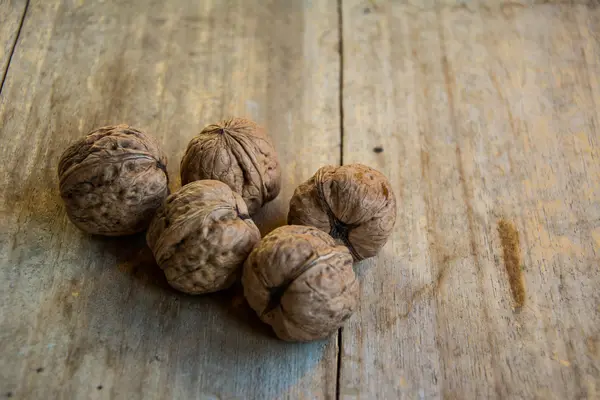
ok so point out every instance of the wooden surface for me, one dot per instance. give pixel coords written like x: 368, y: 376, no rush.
x: 85, y: 317
x: 484, y: 115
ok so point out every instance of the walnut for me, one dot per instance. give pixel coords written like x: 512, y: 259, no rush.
x: 353, y: 203
x: 239, y: 153
x: 113, y: 180
x: 301, y: 282
x: 201, y: 237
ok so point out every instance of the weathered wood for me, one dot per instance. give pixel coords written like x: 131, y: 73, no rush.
x: 487, y: 117
x: 485, y: 112
x: 86, y: 317
x: 11, y: 15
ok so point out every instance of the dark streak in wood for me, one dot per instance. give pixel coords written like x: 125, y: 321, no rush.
x: 593, y: 345
x: 509, y: 238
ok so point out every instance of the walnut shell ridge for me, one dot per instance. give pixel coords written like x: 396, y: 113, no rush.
x: 238, y: 153
x: 354, y: 203
x: 201, y: 237
x: 113, y: 180
x: 299, y: 281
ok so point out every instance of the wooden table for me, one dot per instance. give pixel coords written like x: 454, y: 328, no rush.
x: 485, y: 115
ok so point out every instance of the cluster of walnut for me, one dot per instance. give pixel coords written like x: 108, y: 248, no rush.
x: 299, y: 278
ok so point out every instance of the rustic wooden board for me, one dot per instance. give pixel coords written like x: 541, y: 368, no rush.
x: 85, y: 317
x: 11, y: 15
x: 487, y: 114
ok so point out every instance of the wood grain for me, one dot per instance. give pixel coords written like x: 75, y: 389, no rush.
x: 11, y: 15
x: 87, y: 317
x: 477, y: 112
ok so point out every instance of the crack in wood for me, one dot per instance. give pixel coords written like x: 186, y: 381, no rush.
x: 14, y: 46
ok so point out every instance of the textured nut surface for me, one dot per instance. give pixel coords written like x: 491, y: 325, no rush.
x: 353, y: 203
x: 238, y: 153
x: 299, y: 281
x: 113, y: 180
x: 201, y: 237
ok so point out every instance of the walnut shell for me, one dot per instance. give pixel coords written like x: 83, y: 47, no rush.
x: 201, y: 237
x: 239, y: 153
x: 353, y: 203
x: 113, y: 180
x: 299, y: 281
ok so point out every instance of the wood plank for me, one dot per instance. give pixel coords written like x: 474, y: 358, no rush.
x: 486, y: 112
x: 84, y: 317
x: 11, y: 15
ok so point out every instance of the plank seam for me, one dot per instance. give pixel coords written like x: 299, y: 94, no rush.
x: 341, y: 106
x: 341, y: 79
x: 14, y: 46
x: 339, y: 365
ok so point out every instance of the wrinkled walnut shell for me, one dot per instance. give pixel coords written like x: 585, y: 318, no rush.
x: 301, y: 283
x: 353, y: 203
x: 201, y: 237
x: 239, y: 153
x: 113, y: 180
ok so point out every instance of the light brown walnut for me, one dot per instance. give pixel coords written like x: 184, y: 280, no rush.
x: 299, y: 281
x: 353, y: 203
x: 202, y: 236
x: 239, y: 153
x: 113, y: 180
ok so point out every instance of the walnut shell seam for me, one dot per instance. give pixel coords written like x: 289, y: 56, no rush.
x: 277, y: 292
x: 339, y: 230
